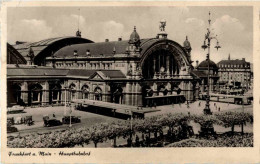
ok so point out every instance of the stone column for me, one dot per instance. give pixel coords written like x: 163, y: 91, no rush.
x: 127, y: 94
x: 168, y: 65
x: 154, y: 67
x: 24, y: 92
x: 159, y: 60
x: 190, y: 91
x: 133, y: 94
x: 197, y: 87
x: 91, y: 92
x: 46, y: 92
x: 63, y: 93
x: 108, y: 93
x: 137, y: 96
x: 134, y: 69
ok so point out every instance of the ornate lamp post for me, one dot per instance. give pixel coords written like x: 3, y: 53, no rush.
x: 207, y: 40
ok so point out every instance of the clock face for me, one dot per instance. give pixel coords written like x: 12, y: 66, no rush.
x: 162, y: 69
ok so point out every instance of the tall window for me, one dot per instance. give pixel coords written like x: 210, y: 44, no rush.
x: 72, y: 91
x: 98, y: 94
x: 36, y: 93
x: 85, y: 92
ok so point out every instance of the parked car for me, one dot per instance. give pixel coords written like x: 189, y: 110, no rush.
x: 74, y: 119
x: 51, y: 121
x: 28, y: 120
x: 15, y: 109
x: 10, y: 127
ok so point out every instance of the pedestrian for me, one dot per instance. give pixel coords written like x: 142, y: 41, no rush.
x: 147, y: 139
x: 214, y: 104
x: 54, y: 114
x: 112, y: 142
x: 129, y: 142
x: 137, y: 142
x: 199, y: 104
x: 219, y: 109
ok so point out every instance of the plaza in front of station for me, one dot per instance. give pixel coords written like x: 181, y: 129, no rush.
x: 89, y: 119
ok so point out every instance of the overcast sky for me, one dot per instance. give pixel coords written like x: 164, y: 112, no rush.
x: 233, y: 25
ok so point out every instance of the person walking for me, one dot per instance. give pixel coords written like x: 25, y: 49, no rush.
x: 137, y: 142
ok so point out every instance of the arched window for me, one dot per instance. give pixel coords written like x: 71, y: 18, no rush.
x: 85, y: 91
x: 72, y: 89
x: 35, y: 94
x: 14, y: 95
x: 98, y: 94
x: 118, y: 95
x: 55, y: 93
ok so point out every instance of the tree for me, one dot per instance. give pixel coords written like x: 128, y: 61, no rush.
x: 230, y: 119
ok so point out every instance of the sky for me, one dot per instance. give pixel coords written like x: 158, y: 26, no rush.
x: 233, y: 25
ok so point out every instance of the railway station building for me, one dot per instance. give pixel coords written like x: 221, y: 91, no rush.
x: 136, y: 71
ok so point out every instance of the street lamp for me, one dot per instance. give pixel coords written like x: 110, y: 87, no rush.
x: 65, y: 101
x: 70, y: 113
x: 206, y: 45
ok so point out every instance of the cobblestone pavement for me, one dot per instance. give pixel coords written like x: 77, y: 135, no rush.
x: 89, y: 119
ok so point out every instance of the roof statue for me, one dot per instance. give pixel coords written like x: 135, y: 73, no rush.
x: 162, y: 34
x: 186, y: 43
x: 78, y: 34
x: 162, y: 25
x: 30, y: 53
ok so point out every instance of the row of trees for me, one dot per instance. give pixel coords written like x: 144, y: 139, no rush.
x: 176, y: 124
x: 223, y: 140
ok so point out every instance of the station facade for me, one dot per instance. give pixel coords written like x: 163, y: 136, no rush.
x: 138, y: 72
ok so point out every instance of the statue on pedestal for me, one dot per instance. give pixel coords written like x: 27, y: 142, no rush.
x: 162, y: 25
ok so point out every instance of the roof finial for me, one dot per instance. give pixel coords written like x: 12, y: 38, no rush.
x: 229, y: 56
x: 114, y: 50
x: 134, y: 28
x: 186, y: 37
x: 78, y: 19
x: 209, y: 18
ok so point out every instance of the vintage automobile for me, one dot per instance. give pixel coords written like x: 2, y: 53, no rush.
x: 10, y: 127
x: 51, y: 121
x: 28, y: 120
x: 15, y: 109
x: 74, y: 119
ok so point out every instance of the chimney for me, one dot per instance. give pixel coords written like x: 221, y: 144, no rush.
x: 197, y: 63
x: 114, y: 50
x: 88, y: 52
x: 243, y: 59
x: 75, y: 53
x: 120, y: 39
x: 107, y: 40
